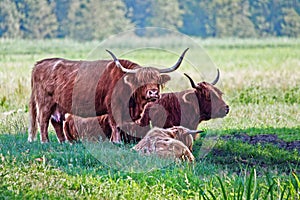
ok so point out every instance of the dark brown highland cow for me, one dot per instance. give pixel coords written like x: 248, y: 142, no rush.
x: 120, y: 89
x: 186, y: 108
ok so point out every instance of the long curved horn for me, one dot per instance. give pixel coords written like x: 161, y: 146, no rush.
x: 117, y: 62
x: 217, y: 78
x: 171, y: 69
x: 191, y: 80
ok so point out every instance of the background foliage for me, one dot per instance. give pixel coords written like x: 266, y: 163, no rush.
x: 92, y: 19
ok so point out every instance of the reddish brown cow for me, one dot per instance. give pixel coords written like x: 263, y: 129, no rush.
x: 91, y: 88
x: 186, y: 108
x: 98, y: 128
x: 90, y: 129
x: 87, y: 129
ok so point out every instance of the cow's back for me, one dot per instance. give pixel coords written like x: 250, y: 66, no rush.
x: 76, y: 86
x: 173, y: 109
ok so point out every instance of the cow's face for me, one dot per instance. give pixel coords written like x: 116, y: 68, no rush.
x: 211, y: 103
x: 185, y: 135
x: 146, y: 83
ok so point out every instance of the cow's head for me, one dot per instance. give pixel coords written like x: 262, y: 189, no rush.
x: 185, y: 135
x: 210, y: 100
x: 145, y: 82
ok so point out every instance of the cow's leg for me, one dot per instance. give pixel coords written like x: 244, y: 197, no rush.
x: 32, y: 130
x: 115, y: 135
x: 115, y: 132
x: 58, y: 127
x: 45, y: 111
x: 44, y: 123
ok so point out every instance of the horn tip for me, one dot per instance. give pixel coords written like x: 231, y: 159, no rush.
x: 185, y: 51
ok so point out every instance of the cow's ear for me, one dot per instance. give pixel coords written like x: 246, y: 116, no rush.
x: 130, y: 80
x: 164, y: 78
x: 189, y: 97
x: 171, y: 132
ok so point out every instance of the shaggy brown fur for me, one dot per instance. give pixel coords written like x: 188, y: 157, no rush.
x: 186, y: 108
x: 166, y: 144
x: 88, y: 89
x: 90, y: 129
x: 86, y: 129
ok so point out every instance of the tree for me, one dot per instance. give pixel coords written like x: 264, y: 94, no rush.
x: 232, y: 19
x: 198, y: 18
x: 291, y: 23
x: 9, y: 19
x: 96, y: 19
x: 154, y: 13
x: 39, y: 20
x: 61, y: 11
x: 166, y: 14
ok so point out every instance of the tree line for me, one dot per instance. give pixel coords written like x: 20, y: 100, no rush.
x: 97, y: 19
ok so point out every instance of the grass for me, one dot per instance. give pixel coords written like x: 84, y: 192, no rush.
x: 260, y: 79
x: 41, y: 171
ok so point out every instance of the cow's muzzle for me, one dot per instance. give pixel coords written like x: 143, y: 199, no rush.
x: 152, y: 95
x: 226, y: 109
x: 222, y: 112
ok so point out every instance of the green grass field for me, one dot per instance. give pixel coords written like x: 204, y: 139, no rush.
x: 261, y: 82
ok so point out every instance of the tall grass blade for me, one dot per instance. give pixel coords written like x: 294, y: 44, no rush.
x: 255, y: 194
x: 297, y: 180
x: 212, y: 195
x: 271, y: 184
x: 222, y: 188
x: 241, y: 191
x: 249, y: 185
x: 282, y: 193
x: 203, y: 195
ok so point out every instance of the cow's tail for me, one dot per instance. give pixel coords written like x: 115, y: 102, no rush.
x: 32, y: 130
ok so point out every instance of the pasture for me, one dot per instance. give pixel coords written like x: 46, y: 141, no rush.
x: 261, y: 83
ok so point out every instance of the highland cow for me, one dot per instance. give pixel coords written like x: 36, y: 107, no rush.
x: 168, y: 143
x: 186, y: 108
x: 120, y: 89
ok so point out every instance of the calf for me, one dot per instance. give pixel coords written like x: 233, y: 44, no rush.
x: 175, y: 142
x: 90, y: 129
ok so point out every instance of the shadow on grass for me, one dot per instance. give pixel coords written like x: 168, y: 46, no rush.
x: 286, y: 134
x: 255, y: 147
x: 76, y: 159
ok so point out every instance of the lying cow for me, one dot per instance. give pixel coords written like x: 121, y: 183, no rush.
x: 186, y: 108
x: 175, y: 142
x: 185, y: 135
x: 90, y: 129
x: 91, y: 88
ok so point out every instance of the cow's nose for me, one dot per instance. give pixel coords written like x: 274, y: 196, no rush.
x: 226, y: 109
x: 152, y: 93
